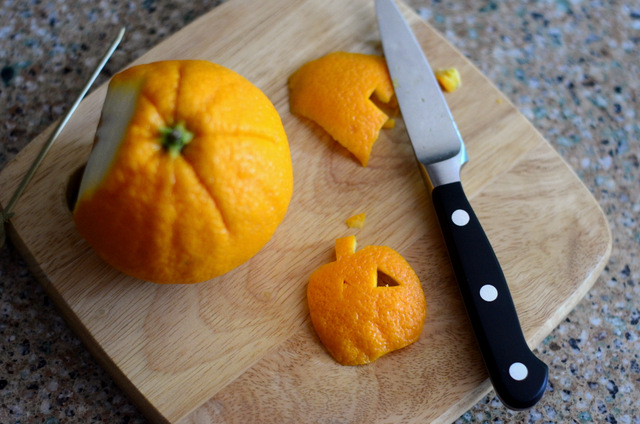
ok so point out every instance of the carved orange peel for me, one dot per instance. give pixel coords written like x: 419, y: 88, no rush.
x: 345, y: 93
x: 365, y: 304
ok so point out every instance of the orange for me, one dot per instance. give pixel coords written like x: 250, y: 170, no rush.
x: 189, y: 176
x: 366, y: 303
x: 335, y: 91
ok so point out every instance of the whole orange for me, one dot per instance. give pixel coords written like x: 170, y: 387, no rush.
x: 190, y: 174
x: 365, y: 304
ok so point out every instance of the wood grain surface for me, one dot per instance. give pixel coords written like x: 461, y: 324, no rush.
x: 240, y: 348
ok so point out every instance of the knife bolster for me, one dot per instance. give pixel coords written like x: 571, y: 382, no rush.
x: 442, y: 173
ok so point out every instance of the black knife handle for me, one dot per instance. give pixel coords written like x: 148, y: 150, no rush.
x: 519, y: 378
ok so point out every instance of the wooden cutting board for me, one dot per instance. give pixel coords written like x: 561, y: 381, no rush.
x: 241, y: 348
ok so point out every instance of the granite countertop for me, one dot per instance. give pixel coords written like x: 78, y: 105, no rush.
x: 572, y: 67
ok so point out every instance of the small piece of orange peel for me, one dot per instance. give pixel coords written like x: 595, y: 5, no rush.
x: 356, y: 221
x: 449, y: 79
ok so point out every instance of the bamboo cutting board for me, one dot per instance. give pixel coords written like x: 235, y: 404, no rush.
x: 241, y: 348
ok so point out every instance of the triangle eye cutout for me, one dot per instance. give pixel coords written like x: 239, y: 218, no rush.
x: 383, y: 280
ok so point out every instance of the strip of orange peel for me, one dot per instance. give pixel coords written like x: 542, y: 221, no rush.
x: 344, y: 93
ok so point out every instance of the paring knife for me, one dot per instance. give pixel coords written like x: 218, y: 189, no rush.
x: 518, y: 376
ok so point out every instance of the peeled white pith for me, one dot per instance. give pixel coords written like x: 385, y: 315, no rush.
x: 117, y: 111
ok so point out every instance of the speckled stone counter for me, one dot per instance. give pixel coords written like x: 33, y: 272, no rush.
x: 572, y: 67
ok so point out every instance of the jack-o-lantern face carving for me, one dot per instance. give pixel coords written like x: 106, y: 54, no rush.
x: 366, y: 303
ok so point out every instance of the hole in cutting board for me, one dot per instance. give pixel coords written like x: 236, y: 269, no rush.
x: 73, y: 186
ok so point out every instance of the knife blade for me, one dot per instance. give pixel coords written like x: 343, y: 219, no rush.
x: 519, y: 378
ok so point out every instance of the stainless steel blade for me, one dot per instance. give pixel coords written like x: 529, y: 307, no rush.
x: 432, y: 130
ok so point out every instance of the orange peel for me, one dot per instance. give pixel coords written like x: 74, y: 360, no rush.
x: 345, y: 93
x: 356, y: 221
x: 365, y: 304
x: 449, y: 79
